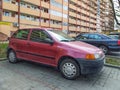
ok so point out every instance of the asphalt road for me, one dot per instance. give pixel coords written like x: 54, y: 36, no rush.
x: 31, y: 76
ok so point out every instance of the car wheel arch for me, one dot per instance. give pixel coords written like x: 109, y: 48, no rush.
x: 103, y: 45
x: 65, y: 57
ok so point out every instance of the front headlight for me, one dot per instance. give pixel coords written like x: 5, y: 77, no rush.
x: 97, y: 56
x: 93, y: 56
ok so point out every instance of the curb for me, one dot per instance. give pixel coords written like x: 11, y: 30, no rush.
x: 112, y: 57
x: 113, y: 66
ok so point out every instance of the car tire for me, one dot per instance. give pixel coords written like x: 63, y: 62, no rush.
x: 69, y: 69
x: 104, y: 49
x: 12, y: 57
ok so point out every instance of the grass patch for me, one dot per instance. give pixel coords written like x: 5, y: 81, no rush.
x: 113, y: 61
x: 3, y: 47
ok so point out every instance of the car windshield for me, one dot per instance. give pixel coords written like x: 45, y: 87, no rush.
x: 106, y: 36
x: 61, y: 36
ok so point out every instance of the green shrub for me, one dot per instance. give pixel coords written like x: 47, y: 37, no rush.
x: 3, y: 48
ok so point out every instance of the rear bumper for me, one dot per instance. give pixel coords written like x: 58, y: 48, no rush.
x: 91, y: 66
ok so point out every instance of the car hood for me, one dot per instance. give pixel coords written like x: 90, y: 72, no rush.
x: 81, y: 46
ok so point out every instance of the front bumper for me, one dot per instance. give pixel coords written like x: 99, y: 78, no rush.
x: 91, y: 66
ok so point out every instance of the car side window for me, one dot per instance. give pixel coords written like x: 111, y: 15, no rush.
x: 39, y: 36
x: 83, y: 36
x: 21, y: 34
x: 96, y: 37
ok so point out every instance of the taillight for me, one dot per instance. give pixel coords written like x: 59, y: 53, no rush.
x: 118, y: 42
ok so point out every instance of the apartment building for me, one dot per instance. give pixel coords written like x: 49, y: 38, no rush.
x: 71, y: 16
x: 107, y: 16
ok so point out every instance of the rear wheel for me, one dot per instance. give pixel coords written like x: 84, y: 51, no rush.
x: 12, y: 57
x: 104, y: 49
x: 69, y: 69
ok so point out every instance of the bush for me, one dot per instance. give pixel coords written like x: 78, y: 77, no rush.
x: 3, y: 48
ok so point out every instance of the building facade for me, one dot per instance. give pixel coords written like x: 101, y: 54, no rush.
x: 71, y: 16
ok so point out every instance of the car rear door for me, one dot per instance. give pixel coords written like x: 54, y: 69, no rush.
x: 18, y: 43
x: 41, y: 50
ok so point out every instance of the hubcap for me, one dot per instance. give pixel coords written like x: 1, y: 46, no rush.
x: 12, y: 56
x: 104, y: 49
x: 69, y: 69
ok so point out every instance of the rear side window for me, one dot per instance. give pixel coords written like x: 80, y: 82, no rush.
x: 21, y: 34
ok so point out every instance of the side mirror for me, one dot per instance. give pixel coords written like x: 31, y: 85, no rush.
x: 49, y: 41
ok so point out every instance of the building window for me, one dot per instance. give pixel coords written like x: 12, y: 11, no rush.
x: 6, y: 13
x: 7, y: 1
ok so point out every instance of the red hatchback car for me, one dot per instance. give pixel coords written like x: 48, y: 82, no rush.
x: 55, y: 48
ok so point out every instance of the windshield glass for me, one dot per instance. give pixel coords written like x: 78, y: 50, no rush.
x: 61, y: 36
x: 106, y: 36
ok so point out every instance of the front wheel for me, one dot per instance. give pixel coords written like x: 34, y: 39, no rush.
x: 12, y: 57
x: 104, y: 49
x: 69, y: 69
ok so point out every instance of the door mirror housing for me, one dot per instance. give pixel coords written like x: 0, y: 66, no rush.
x: 49, y: 41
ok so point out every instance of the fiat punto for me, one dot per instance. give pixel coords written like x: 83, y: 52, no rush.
x: 57, y: 49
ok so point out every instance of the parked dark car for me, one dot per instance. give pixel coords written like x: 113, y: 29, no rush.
x: 53, y: 47
x: 115, y: 35
x: 102, y: 41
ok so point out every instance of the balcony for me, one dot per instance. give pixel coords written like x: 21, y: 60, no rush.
x: 43, y: 24
x: 78, y: 16
x: 55, y: 25
x: 83, y: 23
x: 35, y: 2
x: 72, y: 14
x: 30, y: 11
x: 83, y: 18
x: 56, y: 8
x: 58, y: 1
x: 45, y: 4
x: 53, y: 17
x: 9, y: 19
x: 65, y: 28
x: 23, y: 21
x: 78, y: 22
x: 75, y: 1
x: 72, y: 6
x: 65, y: 3
x: 72, y: 34
x: 9, y: 6
x: 83, y: 11
x: 72, y: 21
x: 65, y: 20
x: 71, y: 28
x: 83, y: 29
x: 44, y: 15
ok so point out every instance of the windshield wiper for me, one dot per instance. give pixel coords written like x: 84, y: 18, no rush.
x: 68, y: 40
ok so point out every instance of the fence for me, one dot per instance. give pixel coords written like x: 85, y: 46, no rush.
x: 3, y: 48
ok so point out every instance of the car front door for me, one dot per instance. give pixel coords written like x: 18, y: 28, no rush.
x: 42, y: 48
